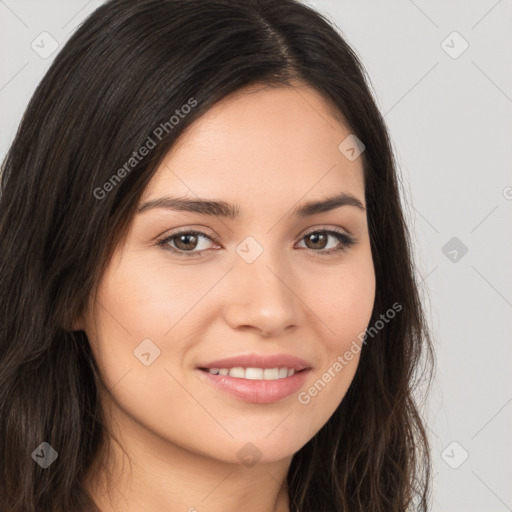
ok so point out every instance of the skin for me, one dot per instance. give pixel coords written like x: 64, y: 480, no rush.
x: 266, y: 150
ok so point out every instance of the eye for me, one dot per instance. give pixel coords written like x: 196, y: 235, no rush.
x: 188, y: 243
x: 319, y: 239
x: 185, y: 243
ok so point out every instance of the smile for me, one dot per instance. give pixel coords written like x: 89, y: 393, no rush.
x: 251, y: 384
x: 252, y: 373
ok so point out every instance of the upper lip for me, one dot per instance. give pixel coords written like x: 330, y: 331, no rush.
x: 259, y: 361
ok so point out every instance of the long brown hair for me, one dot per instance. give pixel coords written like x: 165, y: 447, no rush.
x: 123, y: 73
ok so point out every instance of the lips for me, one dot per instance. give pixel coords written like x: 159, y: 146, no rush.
x: 258, y: 361
x: 258, y: 391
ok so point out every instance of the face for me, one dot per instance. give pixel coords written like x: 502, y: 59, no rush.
x: 272, y: 285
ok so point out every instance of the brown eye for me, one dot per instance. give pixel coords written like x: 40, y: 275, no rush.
x: 319, y: 240
x: 186, y: 243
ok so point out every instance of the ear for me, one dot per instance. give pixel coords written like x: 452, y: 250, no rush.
x: 77, y: 324
x: 76, y: 321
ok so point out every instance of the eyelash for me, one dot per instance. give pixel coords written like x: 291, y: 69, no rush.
x: 345, y: 243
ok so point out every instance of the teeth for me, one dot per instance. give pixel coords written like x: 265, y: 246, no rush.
x: 254, y: 373
x: 237, y: 371
x: 270, y: 373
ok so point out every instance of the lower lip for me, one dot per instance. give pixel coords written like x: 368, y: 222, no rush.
x: 257, y: 391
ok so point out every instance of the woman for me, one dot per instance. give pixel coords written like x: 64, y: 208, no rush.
x: 207, y: 299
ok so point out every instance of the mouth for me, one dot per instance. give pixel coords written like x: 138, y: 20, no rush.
x: 255, y: 385
x: 254, y: 373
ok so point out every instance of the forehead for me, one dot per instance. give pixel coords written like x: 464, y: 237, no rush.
x: 262, y: 141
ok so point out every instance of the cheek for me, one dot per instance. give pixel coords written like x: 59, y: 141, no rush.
x: 150, y: 297
x: 140, y: 300
x: 135, y: 307
x: 343, y: 299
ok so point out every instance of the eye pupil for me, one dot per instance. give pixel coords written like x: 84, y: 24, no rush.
x: 180, y: 238
x: 315, y: 237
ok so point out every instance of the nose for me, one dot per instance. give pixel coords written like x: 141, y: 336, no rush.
x: 262, y: 298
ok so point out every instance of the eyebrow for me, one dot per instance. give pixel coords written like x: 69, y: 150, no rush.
x: 224, y: 209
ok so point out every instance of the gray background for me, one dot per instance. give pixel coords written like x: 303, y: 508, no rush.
x: 450, y: 119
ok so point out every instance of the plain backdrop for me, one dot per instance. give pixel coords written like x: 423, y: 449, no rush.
x: 442, y: 76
